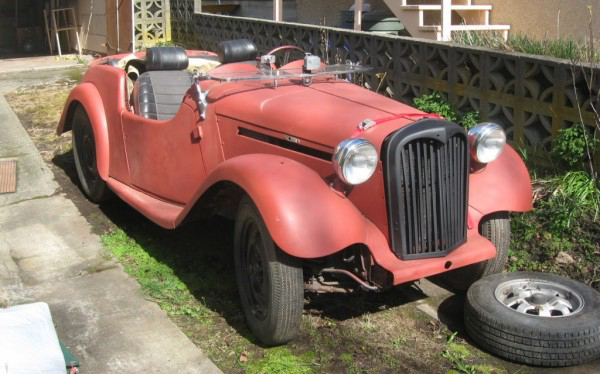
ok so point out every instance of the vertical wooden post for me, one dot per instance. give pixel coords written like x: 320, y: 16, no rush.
x: 79, y: 48
x: 278, y: 10
x: 132, y: 10
x: 358, y: 6
x: 48, y: 30
x: 55, y: 27
x: 446, y: 20
x: 197, y: 6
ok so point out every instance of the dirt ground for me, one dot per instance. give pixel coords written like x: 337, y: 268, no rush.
x: 362, y: 332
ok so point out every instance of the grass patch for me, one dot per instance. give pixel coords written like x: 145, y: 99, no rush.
x: 39, y: 109
x: 462, y: 359
x: 157, y: 279
x: 562, y: 233
x: 281, y: 360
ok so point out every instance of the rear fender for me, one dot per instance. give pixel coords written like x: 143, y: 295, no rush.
x: 86, y: 95
x: 504, y: 185
x: 305, y: 217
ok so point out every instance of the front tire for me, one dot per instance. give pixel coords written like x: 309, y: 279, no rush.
x: 84, y: 152
x: 269, y: 280
x: 535, y: 318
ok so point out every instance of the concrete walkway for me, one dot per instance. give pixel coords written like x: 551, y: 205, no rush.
x: 49, y: 253
x: 12, y: 65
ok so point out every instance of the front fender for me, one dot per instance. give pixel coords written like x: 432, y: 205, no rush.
x: 87, y: 95
x: 504, y: 185
x: 305, y: 217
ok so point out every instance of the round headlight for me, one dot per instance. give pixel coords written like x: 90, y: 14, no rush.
x: 487, y: 141
x: 355, y: 160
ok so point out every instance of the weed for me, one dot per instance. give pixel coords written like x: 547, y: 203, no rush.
x: 565, y: 48
x: 435, y: 103
x: 399, y: 342
x: 456, y: 354
x: 469, y: 120
x: 564, y: 219
x: 572, y: 146
x: 162, y: 43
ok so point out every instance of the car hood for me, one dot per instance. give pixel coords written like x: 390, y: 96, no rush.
x: 326, y: 112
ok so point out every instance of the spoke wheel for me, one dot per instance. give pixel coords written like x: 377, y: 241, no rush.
x: 535, y: 318
x: 84, y: 152
x: 270, y: 281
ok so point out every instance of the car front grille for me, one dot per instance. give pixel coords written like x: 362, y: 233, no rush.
x: 426, y: 175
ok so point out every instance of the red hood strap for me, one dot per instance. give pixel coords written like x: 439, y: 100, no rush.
x: 368, y: 123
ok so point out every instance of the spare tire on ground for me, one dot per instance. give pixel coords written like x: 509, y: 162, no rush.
x: 535, y: 318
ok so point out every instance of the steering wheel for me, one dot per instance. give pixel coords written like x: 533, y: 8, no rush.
x: 286, y: 50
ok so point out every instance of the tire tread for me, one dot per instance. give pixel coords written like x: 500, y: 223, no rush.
x: 529, y: 345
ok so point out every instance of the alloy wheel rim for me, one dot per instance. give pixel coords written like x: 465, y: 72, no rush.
x: 541, y: 298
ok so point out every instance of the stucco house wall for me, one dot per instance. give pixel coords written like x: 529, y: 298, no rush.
x: 327, y: 12
x: 550, y: 19
x: 92, y: 19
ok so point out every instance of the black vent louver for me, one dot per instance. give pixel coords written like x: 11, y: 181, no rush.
x: 426, y: 177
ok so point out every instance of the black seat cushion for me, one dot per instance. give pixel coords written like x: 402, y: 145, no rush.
x: 158, y: 94
x: 236, y: 51
x: 166, y: 58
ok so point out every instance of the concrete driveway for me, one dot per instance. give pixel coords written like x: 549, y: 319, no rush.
x: 49, y: 253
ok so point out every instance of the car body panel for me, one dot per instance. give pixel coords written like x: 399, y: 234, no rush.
x: 177, y: 169
x: 504, y: 185
x: 86, y: 95
x: 305, y: 217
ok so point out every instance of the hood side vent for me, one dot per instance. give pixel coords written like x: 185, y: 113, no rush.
x: 284, y: 144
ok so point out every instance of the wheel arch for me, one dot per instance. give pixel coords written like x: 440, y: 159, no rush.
x: 504, y: 185
x: 86, y: 95
x: 304, y: 216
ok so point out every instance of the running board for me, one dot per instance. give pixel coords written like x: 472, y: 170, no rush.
x: 158, y: 211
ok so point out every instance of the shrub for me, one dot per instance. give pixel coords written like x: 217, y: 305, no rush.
x: 572, y: 144
x: 435, y: 103
x: 469, y: 120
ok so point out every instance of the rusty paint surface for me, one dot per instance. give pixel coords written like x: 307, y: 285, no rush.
x: 8, y: 176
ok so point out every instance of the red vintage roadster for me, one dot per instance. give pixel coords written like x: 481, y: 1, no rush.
x: 331, y: 186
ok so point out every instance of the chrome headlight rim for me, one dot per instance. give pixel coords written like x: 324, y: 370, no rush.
x: 342, y: 155
x: 477, y: 139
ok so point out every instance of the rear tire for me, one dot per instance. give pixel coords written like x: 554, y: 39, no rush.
x: 496, y: 228
x: 84, y: 152
x: 269, y: 280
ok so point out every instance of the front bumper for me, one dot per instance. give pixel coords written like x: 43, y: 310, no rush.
x: 476, y: 249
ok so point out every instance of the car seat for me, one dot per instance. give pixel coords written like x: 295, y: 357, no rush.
x: 239, y: 50
x: 158, y: 93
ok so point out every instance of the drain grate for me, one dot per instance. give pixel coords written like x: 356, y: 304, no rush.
x: 8, y: 176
